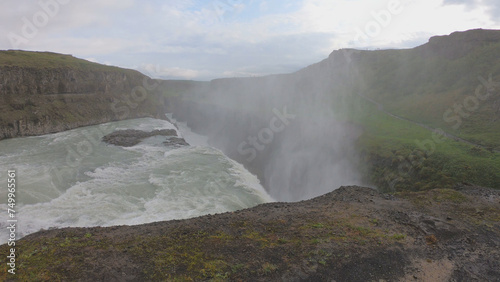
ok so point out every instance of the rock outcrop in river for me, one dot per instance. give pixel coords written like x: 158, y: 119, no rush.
x: 131, y: 137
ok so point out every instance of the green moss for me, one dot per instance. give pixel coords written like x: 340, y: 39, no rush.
x: 315, y: 241
x: 435, y: 196
x: 360, y: 230
x: 175, y: 255
x: 448, y: 195
x: 283, y: 241
x: 222, y: 236
x: 269, y: 268
x: 398, y: 236
x: 261, y: 238
x: 215, y: 269
x: 41, y: 260
x: 237, y: 268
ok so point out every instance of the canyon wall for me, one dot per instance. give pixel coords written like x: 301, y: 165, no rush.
x: 342, y: 110
x: 37, y: 100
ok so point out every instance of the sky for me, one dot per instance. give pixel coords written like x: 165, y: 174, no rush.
x: 203, y: 40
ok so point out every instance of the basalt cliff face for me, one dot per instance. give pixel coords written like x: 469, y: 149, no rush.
x: 59, y: 92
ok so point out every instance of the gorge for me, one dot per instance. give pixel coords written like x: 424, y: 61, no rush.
x: 351, y: 119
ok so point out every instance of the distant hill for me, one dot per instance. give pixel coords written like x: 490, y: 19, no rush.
x: 447, y: 83
x: 50, y: 60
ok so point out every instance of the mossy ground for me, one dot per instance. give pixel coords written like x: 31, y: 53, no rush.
x: 317, y: 239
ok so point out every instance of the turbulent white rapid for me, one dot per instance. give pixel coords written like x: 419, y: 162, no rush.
x: 71, y: 178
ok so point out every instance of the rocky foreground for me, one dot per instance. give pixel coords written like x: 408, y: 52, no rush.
x: 350, y: 234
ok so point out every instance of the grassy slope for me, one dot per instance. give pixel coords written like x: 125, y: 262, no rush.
x: 420, y: 85
x: 51, y: 60
x: 423, y: 87
x: 403, y: 156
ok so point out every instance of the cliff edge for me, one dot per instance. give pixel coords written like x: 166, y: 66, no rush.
x: 350, y: 234
x: 42, y: 92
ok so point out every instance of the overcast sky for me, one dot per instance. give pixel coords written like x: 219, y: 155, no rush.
x: 201, y: 40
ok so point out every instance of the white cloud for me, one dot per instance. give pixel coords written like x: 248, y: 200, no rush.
x: 195, y: 39
x: 417, y: 21
x: 93, y: 60
x: 156, y: 71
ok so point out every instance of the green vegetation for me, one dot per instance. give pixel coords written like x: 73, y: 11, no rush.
x: 318, y: 225
x: 42, y: 262
x: 48, y: 60
x: 437, y: 85
x: 192, y: 256
x: 401, y: 156
x: 398, y: 236
x: 269, y: 268
x: 425, y: 88
x: 438, y: 196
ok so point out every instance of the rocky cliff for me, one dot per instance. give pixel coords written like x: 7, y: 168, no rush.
x: 45, y: 92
